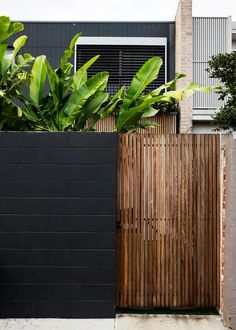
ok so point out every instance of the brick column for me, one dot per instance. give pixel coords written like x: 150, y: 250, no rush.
x: 184, y: 59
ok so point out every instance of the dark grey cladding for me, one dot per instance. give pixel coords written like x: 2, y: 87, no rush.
x: 57, y: 225
x: 51, y: 38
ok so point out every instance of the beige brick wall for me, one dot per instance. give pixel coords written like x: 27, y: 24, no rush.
x: 184, y: 59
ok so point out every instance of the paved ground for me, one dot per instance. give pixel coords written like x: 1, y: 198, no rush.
x: 168, y: 322
x: 122, y: 322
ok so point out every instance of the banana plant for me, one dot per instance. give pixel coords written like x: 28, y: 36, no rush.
x: 73, y: 98
x: 8, y: 29
x: 75, y: 101
x: 137, y: 105
x: 14, y: 76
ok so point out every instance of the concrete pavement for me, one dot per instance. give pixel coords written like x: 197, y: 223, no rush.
x: 168, y: 322
x: 122, y: 322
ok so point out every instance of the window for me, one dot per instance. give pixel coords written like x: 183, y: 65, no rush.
x: 121, y: 57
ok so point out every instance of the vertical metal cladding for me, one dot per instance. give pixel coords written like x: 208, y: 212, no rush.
x: 51, y: 38
x: 209, y: 38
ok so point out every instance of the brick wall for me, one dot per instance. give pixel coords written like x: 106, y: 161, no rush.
x: 183, y: 53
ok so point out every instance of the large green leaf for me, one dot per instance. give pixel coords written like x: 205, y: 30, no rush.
x: 73, y: 41
x: 145, y: 76
x: 3, y: 48
x: 111, y: 106
x: 18, y: 44
x: 148, y: 102
x: 8, y: 59
x: 90, y: 62
x: 206, y: 89
x: 22, y: 61
x: 68, y: 52
x: 186, y: 91
x: 171, y: 85
x: 192, y: 86
x: 177, y: 95
x: 14, y: 28
x: 54, y: 83
x: 6, y: 63
x: 7, y: 29
x: 127, y: 119
x: 80, y: 96
x: 91, y: 107
x: 149, y: 112
x: 38, y: 77
x: 4, y: 26
x: 80, y: 76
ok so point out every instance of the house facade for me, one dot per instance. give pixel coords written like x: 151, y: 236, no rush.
x: 123, y: 46
x: 185, y: 45
x: 197, y: 39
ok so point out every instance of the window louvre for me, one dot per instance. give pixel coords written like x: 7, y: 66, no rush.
x: 122, y: 62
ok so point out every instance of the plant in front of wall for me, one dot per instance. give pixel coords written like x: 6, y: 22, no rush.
x: 73, y: 98
x: 75, y: 102
x: 136, y: 106
x: 14, y: 76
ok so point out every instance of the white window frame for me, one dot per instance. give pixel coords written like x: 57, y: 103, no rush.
x: 123, y: 41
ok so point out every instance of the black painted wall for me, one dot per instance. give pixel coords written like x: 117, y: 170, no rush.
x: 57, y: 224
x: 52, y: 38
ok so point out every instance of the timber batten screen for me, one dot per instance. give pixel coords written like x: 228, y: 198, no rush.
x: 168, y: 230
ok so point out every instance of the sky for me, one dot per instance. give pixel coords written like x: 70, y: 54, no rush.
x: 110, y: 10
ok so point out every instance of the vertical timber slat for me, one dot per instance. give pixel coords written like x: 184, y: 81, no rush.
x: 168, y: 232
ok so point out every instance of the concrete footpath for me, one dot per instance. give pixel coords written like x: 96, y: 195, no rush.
x: 122, y: 322
x: 168, y: 322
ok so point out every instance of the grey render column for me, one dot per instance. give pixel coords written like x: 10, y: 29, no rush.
x: 229, y: 289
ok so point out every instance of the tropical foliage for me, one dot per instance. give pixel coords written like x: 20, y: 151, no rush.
x: 75, y: 101
x: 13, y: 76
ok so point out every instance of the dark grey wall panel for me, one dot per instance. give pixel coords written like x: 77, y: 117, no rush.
x: 48, y: 258
x: 50, y: 308
x: 75, y: 189
x: 57, y: 224
x: 57, y: 172
x: 68, y: 292
x: 51, y: 38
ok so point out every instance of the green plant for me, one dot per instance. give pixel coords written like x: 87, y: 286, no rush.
x: 13, y: 76
x: 8, y: 29
x: 75, y: 102
x: 136, y: 105
x: 73, y: 98
x: 223, y: 67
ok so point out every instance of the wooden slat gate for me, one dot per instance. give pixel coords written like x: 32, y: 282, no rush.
x: 168, y: 220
